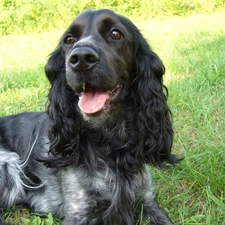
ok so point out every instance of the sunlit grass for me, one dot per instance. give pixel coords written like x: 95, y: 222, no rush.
x: 20, y: 16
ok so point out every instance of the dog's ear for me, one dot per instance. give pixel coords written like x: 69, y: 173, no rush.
x: 61, y: 110
x: 153, y: 114
x: 55, y: 64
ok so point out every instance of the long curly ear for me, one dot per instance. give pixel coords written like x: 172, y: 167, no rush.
x: 153, y: 114
x: 61, y: 109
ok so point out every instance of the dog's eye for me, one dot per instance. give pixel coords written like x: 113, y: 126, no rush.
x: 70, y: 40
x: 116, y: 34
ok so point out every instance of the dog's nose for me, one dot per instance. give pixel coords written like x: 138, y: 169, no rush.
x: 83, y: 58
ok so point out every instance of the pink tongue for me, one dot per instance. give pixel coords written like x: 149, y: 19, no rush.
x: 92, y: 100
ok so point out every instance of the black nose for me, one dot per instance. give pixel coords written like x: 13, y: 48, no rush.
x: 83, y: 58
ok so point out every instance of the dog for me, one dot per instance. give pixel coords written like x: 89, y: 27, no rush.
x: 85, y: 159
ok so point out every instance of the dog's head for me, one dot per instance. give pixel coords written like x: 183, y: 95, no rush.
x: 102, y: 70
x: 97, y: 54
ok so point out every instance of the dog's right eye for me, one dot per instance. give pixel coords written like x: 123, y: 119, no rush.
x: 69, y: 40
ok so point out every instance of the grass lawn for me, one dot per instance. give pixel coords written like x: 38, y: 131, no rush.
x: 193, y: 51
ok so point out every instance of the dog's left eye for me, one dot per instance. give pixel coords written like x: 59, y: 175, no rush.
x: 116, y: 34
x: 70, y: 40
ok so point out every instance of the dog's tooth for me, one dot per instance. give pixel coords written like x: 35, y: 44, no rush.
x: 80, y: 95
x: 83, y: 86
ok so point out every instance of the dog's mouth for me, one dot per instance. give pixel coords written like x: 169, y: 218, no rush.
x: 93, y: 101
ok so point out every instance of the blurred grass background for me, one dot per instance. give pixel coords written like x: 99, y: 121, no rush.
x: 25, y: 16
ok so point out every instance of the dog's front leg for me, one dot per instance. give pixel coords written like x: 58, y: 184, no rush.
x: 81, y: 213
x: 77, y: 220
x: 152, y: 214
x: 79, y: 206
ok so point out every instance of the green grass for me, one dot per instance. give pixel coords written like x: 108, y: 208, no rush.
x: 193, y: 51
x: 25, y: 16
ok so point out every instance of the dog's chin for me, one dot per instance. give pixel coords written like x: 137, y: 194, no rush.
x: 99, y: 116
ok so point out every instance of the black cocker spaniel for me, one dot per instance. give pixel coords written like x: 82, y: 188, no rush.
x: 84, y: 159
